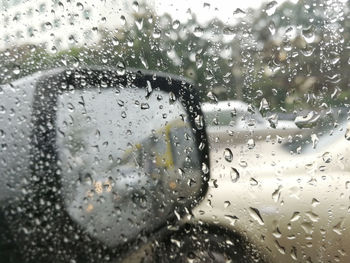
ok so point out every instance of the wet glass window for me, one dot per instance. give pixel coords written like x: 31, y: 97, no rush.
x: 174, y: 131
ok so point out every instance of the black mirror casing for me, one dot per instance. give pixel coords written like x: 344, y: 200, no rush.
x: 41, y: 227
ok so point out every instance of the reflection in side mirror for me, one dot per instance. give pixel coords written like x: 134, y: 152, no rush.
x: 111, y: 161
x: 124, y: 154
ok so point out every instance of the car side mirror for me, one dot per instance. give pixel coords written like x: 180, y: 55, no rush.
x: 121, y: 154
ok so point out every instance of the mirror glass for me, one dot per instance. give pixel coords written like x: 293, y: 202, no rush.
x: 126, y: 158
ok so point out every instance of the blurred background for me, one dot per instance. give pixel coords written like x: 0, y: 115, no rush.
x: 288, y: 55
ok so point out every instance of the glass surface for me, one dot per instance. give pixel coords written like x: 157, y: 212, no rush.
x: 125, y: 160
x: 273, y: 81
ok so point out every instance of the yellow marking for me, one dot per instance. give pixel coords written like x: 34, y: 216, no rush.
x: 172, y: 185
x: 89, y: 208
x: 98, y: 187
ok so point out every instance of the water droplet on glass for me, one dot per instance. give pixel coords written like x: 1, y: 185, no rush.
x: 80, y: 6
x: 347, y: 134
x: 273, y: 120
x: 307, y: 227
x: 176, y: 24
x: 239, y: 13
x: 228, y: 155
x: 255, y: 214
x: 234, y: 174
x: 272, y: 28
x: 144, y: 106
x: 139, y: 24
x: 135, y: 6
x: 271, y: 8
x: 307, y: 121
x: 327, y: 157
x: 295, y: 217
x: 232, y: 219
x: 264, y: 106
x: 253, y: 181
x: 121, y: 68
x: 199, y: 122
x: 123, y: 20
x: 227, y: 204
x: 315, y: 202
x: 148, y: 89
x: 172, y: 97
x: 277, y: 194
x: 314, y: 140
x: 48, y: 25
x: 205, y: 168
x: 17, y: 70
x: 309, y: 34
x: 156, y: 33
x: 212, y: 97
x: 312, y: 216
x: 338, y: 228
x: 277, y: 233
x: 251, y: 144
x: 198, y: 31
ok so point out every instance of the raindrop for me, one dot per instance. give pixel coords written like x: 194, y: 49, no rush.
x: 347, y: 134
x: 327, y: 157
x: 312, y: 216
x: 251, y: 144
x: 272, y: 28
x: 227, y: 204
x: 80, y: 6
x: 314, y: 140
x: 139, y: 24
x: 123, y: 20
x: 172, y: 97
x: 307, y: 121
x: 228, y: 155
x: 337, y: 228
x: 307, y: 227
x: 309, y: 34
x: 271, y: 8
x: 277, y: 233
x: 277, y: 194
x: 176, y: 24
x: 148, y: 89
x: 295, y: 217
x: 212, y: 97
x: 293, y: 253
x: 135, y: 6
x: 253, y: 181
x: 198, y: 31
x: 264, y: 106
x: 48, y: 25
x: 87, y: 179
x: 234, y: 174
x: 199, y: 122
x: 315, y: 202
x: 121, y: 68
x: 255, y: 214
x: 308, y: 51
x: 243, y: 163
x: 239, y: 13
x: 17, y: 70
x: 144, y: 106
x: 205, y: 168
x: 156, y: 33
x: 273, y: 120
x: 232, y: 219
x: 280, y: 249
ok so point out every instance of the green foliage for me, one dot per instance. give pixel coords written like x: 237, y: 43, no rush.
x: 296, y: 58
